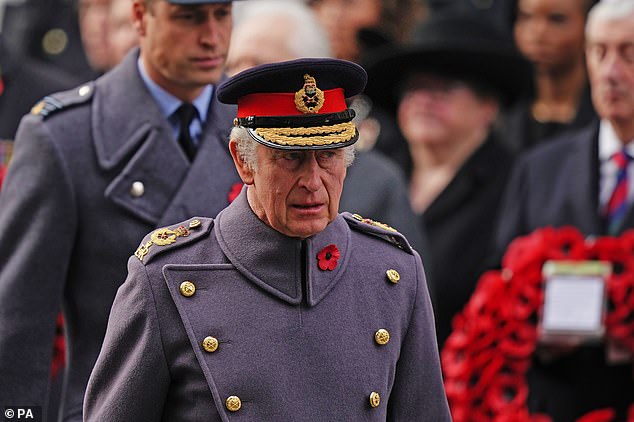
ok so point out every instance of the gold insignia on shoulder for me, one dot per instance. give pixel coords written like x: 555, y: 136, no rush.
x: 160, y: 237
x: 373, y: 223
x: 309, y: 99
x: 143, y: 250
x: 37, y: 108
x: 383, y: 226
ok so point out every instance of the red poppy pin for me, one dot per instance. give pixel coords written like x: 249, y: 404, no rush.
x: 236, y: 188
x: 328, y: 257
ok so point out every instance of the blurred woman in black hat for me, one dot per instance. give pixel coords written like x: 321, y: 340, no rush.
x: 447, y: 89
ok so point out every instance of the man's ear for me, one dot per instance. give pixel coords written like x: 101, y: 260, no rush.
x: 138, y: 16
x: 245, y: 172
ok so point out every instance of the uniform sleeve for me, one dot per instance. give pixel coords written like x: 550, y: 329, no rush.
x: 37, y: 228
x: 131, y: 378
x: 418, y: 392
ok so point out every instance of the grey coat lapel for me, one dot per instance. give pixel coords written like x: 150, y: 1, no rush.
x: 134, y: 140
x: 204, y: 190
x: 582, y: 171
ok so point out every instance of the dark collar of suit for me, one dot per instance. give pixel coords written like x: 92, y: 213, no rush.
x: 273, y: 261
x: 580, y: 164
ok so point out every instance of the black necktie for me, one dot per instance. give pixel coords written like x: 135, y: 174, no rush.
x: 186, y: 113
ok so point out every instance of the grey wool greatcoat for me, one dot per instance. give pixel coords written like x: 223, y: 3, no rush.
x: 94, y: 169
x: 289, y: 341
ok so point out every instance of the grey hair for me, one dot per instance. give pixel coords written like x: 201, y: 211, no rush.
x: 247, y: 148
x: 609, y: 10
x: 308, y: 39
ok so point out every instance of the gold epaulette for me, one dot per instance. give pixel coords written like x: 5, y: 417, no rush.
x: 378, y: 229
x: 173, y: 236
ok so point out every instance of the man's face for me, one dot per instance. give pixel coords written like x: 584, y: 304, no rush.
x: 295, y: 192
x: 184, y: 47
x: 610, y: 58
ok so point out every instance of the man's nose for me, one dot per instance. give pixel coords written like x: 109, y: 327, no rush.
x: 210, y: 32
x: 612, y: 65
x: 310, y: 178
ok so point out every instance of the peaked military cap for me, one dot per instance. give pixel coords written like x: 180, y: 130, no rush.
x: 297, y: 104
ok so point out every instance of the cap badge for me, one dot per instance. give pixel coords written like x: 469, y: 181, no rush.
x: 309, y: 99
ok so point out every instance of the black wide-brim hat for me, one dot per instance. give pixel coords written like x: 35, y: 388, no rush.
x: 297, y: 104
x: 453, y: 45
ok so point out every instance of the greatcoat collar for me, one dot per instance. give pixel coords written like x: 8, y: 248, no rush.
x: 274, y: 261
x: 135, y: 133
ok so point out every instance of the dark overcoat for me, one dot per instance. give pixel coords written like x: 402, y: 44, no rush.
x: 94, y: 169
x: 460, y: 225
x: 290, y: 342
x: 557, y: 184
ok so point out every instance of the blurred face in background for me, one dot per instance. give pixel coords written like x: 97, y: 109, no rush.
x: 93, y: 25
x: 610, y: 58
x: 550, y: 33
x: 435, y: 111
x: 260, y: 41
x: 121, y: 32
x: 183, y: 47
x: 343, y: 19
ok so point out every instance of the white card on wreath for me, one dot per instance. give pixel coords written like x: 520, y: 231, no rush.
x: 574, y: 301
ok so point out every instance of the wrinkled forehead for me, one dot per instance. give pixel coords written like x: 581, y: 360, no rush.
x: 613, y: 31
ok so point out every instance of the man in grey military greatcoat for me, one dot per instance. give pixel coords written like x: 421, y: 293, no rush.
x: 94, y: 169
x: 279, y: 309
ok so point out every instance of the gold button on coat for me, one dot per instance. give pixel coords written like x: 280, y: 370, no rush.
x: 375, y: 399
x: 393, y: 276
x: 233, y: 403
x: 382, y: 337
x: 187, y: 288
x: 210, y: 344
x: 194, y: 224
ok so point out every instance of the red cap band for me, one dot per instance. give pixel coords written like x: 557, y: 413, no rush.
x: 283, y: 104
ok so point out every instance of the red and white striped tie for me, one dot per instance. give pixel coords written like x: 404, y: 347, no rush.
x: 618, y: 204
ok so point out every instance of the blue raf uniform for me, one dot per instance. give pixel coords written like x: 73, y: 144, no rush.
x: 231, y: 320
x: 243, y: 318
x: 94, y: 169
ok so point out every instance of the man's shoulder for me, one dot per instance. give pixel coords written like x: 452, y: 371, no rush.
x: 173, y: 237
x: 568, y: 141
x: 378, y: 230
x: 64, y: 100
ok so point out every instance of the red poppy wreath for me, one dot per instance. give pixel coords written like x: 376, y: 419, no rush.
x: 486, y: 357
